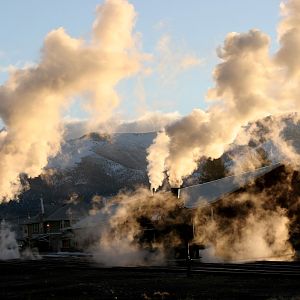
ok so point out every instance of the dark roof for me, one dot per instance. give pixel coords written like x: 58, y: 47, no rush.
x: 49, y: 209
x: 58, y: 213
x: 214, y: 190
x: 68, y: 212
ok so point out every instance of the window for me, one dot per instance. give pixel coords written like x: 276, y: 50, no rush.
x: 36, y: 228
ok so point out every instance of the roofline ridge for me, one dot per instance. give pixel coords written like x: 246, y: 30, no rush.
x: 244, y: 173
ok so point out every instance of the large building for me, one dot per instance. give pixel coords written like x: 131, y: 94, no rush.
x: 211, y: 192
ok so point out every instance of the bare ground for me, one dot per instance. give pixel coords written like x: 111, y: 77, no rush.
x: 80, y: 278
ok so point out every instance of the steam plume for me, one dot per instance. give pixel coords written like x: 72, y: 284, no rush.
x: 121, y: 224
x: 157, y: 154
x: 8, y: 244
x: 249, y: 84
x: 33, y: 99
x: 258, y: 228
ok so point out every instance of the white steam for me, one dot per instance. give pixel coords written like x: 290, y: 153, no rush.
x: 8, y: 244
x: 119, y: 229
x: 148, y: 122
x: 157, y: 154
x: 172, y: 61
x: 270, y: 140
x: 33, y: 99
x: 249, y: 84
x: 257, y: 232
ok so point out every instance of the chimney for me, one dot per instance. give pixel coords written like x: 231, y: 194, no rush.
x: 176, y: 192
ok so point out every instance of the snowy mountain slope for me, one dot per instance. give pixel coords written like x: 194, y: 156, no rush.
x: 92, y: 164
x: 105, y: 164
x: 126, y: 149
x: 101, y: 164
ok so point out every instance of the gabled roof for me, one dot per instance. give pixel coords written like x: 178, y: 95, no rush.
x: 64, y: 212
x: 49, y: 209
x: 68, y: 212
x: 214, y: 190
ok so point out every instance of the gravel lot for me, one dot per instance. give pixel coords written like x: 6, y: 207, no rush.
x: 80, y: 278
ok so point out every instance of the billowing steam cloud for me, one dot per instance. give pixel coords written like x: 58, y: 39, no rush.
x: 138, y: 228
x: 148, y: 122
x: 256, y: 232
x: 249, y: 84
x: 269, y: 140
x: 8, y: 244
x: 33, y: 99
x: 123, y: 234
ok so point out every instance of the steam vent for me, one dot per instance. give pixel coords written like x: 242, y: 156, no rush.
x: 175, y: 192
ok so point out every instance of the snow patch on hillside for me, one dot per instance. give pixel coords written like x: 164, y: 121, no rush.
x: 124, y: 148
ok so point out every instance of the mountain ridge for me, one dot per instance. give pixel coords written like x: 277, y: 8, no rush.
x: 103, y: 164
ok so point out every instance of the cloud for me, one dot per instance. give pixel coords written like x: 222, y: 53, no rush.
x: 148, y: 122
x: 172, y: 60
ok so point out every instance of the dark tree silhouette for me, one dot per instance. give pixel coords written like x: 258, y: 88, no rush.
x: 212, y: 169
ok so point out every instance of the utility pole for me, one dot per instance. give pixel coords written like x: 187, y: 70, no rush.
x: 41, y: 226
x: 188, y: 260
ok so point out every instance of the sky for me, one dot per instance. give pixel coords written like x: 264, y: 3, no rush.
x: 170, y: 30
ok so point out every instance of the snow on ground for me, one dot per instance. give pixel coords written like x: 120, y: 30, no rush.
x: 123, y: 148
